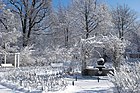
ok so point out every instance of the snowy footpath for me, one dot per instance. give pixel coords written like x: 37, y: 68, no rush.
x: 89, y: 86
x: 3, y: 89
x: 80, y: 86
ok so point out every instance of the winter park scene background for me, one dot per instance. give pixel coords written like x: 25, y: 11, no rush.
x: 69, y: 46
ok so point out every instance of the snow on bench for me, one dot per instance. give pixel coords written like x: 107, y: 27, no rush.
x: 6, y: 65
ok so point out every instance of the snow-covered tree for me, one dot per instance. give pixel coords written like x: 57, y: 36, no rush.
x: 31, y: 13
x: 105, y: 26
x: 64, y: 24
x: 89, y: 18
x: 124, y: 20
x: 9, y: 34
x: 87, y: 15
x: 116, y: 48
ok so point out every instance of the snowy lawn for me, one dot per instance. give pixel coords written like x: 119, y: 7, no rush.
x: 82, y: 85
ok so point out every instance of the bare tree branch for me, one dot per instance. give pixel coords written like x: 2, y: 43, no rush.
x: 31, y: 13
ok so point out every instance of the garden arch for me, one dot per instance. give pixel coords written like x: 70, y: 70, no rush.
x: 16, y: 59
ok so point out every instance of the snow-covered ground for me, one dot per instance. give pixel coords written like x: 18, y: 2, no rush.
x: 82, y: 85
x: 3, y: 89
x: 88, y: 85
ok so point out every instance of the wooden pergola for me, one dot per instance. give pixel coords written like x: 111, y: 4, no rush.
x: 16, y: 59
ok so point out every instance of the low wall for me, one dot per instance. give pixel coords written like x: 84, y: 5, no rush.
x: 96, y: 72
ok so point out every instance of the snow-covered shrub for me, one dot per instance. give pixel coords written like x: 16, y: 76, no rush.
x: 127, y: 79
x: 35, y: 78
x: 26, y: 56
x: 57, y: 55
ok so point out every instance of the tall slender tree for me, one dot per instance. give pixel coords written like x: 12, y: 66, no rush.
x: 87, y: 15
x: 123, y: 19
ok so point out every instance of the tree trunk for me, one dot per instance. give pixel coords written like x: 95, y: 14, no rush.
x: 24, y: 40
x: 24, y: 30
x: 84, y: 63
x: 66, y: 37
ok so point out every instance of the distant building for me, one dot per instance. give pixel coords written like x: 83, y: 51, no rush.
x: 133, y: 56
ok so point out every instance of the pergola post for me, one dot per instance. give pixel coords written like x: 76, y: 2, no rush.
x: 5, y: 59
x: 18, y: 60
x: 15, y: 60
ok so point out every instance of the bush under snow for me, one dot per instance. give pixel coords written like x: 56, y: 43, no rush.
x: 127, y: 79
